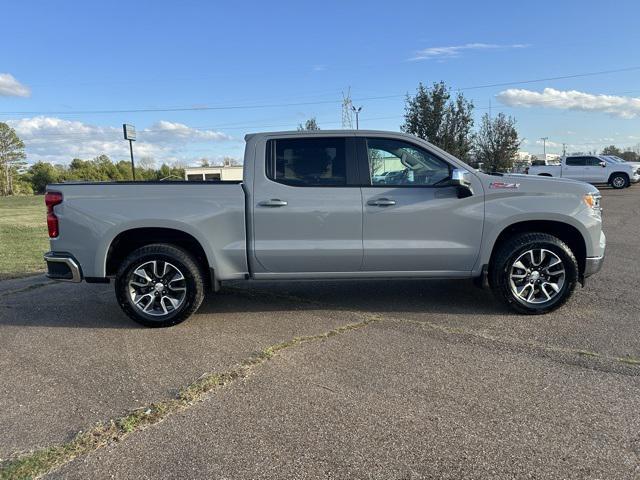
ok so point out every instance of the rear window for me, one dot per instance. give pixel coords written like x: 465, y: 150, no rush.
x: 307, y: 162
x: 576, y: 161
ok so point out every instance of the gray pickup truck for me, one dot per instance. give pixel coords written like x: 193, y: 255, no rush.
x: 327, y: 205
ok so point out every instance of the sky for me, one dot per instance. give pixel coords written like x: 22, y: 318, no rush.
x: 195, y: 76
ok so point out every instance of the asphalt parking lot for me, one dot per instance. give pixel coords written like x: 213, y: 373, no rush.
x: 430, y: 379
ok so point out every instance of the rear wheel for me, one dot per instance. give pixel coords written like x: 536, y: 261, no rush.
x: 159, y: 285
x: 533, y: 273
x: 619, y: 180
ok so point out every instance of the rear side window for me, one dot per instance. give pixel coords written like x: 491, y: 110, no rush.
x: 307, y: 162
x: 576, y: 161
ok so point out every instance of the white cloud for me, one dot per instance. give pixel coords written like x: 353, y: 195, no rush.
x: 10, y: 87
x: 625, y: 107
x: 58, y: 141
x: 168, y: 132
x: 456, y: 50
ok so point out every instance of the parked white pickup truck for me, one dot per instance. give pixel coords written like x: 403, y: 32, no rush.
x: 327, y: 205
x: 591, y: 169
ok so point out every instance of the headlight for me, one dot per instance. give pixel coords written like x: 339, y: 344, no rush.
x: 592, y: 200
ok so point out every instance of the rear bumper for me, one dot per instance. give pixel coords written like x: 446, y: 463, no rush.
x: 62, y: 266
x: 593, y: 265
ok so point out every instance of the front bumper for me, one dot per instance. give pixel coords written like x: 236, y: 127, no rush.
x: 62, y: 266
x: 593, y: 265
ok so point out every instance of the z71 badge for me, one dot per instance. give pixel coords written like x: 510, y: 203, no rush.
x: 503, y: 185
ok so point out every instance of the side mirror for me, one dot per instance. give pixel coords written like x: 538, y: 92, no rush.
x: 462, y: 179
x: 603, y: 164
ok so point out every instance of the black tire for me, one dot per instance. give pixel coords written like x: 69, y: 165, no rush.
x: 172, y: 259
x: 513, y: 251
x: 619, y: 180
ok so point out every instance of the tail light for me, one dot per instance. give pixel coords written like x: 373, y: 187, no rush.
x: 51, y: 199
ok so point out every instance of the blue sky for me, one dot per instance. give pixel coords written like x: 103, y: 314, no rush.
x: 278, y: 63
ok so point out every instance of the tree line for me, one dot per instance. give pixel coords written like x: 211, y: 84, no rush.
x: 18, y: 178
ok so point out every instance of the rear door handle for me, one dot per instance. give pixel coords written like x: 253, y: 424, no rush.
x: 381, y: 202
x: 274, y: 202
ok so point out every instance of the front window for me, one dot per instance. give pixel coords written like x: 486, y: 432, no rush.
x: 394, y: 162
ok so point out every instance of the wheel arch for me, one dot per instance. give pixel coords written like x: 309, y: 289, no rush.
x: 566, y: 232
x: 129, y: 240
x: 613, y: 174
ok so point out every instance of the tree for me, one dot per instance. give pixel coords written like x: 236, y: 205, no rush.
x: 629, y: 156
x: 147, y: 163
x: 611, y: 150
x: 11, y: 157
x: 230, y: 161
x: 41, y: 174
x: 496, y: 143
x: 309, y: 125
x: 431, y: 114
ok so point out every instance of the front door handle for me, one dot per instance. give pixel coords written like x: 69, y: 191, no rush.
x: 274, y: 202
x: 381, y: 202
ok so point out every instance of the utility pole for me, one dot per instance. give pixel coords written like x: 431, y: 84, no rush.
x: 564, y: 149
x: 544, y: 146
x: 357, y: 112
x: 130, y: 134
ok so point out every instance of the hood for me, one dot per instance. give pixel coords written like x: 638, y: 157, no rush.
x: 535, y: 183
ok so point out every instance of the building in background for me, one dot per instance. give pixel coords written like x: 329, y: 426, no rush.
x: 216, y: 172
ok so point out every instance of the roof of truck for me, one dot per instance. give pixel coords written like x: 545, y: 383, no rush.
x: 306, y: 133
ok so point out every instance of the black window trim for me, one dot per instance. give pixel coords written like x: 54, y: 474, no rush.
x: 351, y: 167
x: 363, y: 158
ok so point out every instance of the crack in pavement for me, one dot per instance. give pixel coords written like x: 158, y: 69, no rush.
x: 509, y: 341
x: 526, y: 345
x: 33, y: 286
x: 45, y: 460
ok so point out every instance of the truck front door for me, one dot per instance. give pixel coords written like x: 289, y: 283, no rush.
x: 306, y: 215
x: 595, y: 171
x: 413, y: 218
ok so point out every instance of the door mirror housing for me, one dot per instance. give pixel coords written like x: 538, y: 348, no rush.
x: 603, y: 164
x: 462, y: 180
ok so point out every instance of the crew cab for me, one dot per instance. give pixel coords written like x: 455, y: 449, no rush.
x: 591, y: 169
x: 327, y: 205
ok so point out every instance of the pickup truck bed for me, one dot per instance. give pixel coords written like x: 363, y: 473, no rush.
x: 96, y: 215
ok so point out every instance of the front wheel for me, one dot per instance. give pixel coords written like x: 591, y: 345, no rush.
x: 533, y: 273
x: 619, y: 180
x: 159, y: 285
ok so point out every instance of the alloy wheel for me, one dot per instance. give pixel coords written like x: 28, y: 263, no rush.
x: 537, y: 276
x: 157, y: 288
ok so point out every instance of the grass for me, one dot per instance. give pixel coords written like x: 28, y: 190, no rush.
x: 23, y: 236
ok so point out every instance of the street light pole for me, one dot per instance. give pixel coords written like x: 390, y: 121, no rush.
x: 357, y: 112
x: 544, y: 146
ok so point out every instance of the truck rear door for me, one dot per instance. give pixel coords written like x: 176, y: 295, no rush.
x: 574, y: 168
x: 307, y: 206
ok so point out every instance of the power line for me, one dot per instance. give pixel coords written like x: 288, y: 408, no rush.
x: 297, y: 104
